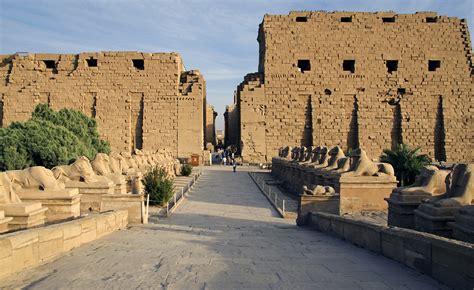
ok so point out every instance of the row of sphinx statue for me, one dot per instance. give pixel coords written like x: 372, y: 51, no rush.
x: 316, y: 167
x: 448, y: 187
x: 114, y: 167
x: 121, y: 172
x: 439, y: 200
x: 436, y: 195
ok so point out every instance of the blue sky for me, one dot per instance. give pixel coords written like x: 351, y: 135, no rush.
x: 216, y: 37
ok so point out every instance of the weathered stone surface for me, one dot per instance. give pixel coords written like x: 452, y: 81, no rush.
x: 28, y: 248
x: 463, y: 225
x: 444, y: 259
x: 367, y: 83
x: 133, y: 203
x: 139, y: 100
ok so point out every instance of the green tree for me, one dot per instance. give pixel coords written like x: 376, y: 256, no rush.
x: 49, y: 139
x: 12, y: 154
x: 83, y: 127
x: 406, y: 162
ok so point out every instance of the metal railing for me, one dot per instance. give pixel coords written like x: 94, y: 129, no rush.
x: 272, y: 196
x: 179, y: 195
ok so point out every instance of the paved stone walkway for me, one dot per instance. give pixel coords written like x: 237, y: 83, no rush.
x: 226, y: 236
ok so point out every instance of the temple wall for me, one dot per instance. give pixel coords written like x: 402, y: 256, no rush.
x: 139, y: 100
x: 368, y: 79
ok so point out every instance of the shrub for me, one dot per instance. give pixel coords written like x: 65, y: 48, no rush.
x: 406, y: 162
x: 186, y: 169
x: 41, y: 142
x: 158, y: 185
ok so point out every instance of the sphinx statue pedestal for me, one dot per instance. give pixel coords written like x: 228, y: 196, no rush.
x: 403, y: 201
x: 434, y: 215
x: 432, y: 219
x: 401, y: 209
x: 463, y: 225
x: 364, y: 193
x: 24, y: 214
x: 4, y: 222
x: 316, y: 203
x: 62, y: 203
x: 133, y: 203
x: 120, y: 183
x: 91, y: 193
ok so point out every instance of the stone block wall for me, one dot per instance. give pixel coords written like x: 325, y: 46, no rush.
x: 29, y: 248
x: 139, y: 100
x: 360, y: 79
x: 443, y: 259
x: 252, y: 110
x: 191, y: 110
x: 231, y: 125
x: 210, y: 132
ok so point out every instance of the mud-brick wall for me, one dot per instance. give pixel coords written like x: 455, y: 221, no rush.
x: 136, y: 98
x: 363, y: 79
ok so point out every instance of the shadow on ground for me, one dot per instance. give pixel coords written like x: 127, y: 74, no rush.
x: 226, y: 236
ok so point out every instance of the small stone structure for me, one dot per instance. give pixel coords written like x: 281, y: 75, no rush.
x: 357, y: 79
x: 231, y: 123
x: 463, y: 225
x: 133, y: 203
x: 23, y: 214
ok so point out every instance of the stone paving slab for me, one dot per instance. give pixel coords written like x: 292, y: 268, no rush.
x: 225, y: 236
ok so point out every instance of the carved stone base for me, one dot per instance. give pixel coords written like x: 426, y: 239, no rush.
x: 92, y: 193
x: 133, y: 203
x: 401, y: 209
x: 463, y: 225
x: 364, y: 193
x: 401, y: 215
x: 24, y: 215
x: 434, y: 220
x: 316, y: 203
x: 61, y: 204
x: 4, y: 222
